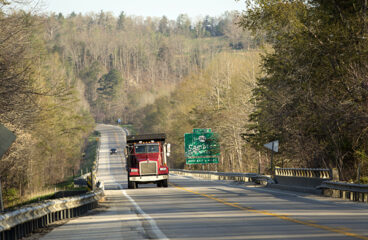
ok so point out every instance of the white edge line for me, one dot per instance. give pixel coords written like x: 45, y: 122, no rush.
x: 159, y: 234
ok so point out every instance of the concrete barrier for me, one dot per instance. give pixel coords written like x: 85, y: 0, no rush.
x: 304, y: 172
x: 301, y: 179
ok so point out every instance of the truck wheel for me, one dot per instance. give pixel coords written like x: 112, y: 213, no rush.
x: 159, y: 184
x: 165, y: 183
x: 131, y: 185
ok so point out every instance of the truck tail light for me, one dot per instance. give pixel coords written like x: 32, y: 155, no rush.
x: 133, y: 170
x: 163, y: 169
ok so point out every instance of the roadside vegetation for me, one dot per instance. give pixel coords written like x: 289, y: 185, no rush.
x: 41, y: 103
x: 49, y: 191
x: 130, y: 127
x: 312, y: 96
x: 90, y: 152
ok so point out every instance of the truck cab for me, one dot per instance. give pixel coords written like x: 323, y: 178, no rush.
x: 146, y: 157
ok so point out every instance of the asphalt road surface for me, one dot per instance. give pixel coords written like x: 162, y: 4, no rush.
x: 199, y: 209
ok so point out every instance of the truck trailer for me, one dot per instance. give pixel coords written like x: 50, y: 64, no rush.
x: 146, y: 158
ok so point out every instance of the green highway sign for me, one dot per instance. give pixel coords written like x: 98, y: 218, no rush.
x: 202, y: 160
x: 201, y: 146
x: 202, y: 130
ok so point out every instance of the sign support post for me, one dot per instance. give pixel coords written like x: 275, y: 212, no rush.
x: 259, y: 162
x: 272, y: 171
x: 274, y: 147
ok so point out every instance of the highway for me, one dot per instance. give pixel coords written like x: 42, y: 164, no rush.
x: 199, y: 209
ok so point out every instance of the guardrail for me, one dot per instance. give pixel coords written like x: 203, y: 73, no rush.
x: 304, y: 172
x: 239, y: 177
x: 20, y: 223
x: 351, y: 191
x: 25, y: 220
x: 307, y: 179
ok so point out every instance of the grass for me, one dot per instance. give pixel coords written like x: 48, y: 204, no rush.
x: 68, y: 185
x: 130, y: 128
x: 37, y: 199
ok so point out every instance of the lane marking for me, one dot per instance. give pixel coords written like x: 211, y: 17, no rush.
x: 283, y: 217
x: 159, y: 234
x: 155, y: 229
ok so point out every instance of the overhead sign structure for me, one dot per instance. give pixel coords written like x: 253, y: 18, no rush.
x: 273, y: 146
x: 201, y: 146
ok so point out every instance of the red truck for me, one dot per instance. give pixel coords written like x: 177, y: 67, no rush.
x: 146, y: 157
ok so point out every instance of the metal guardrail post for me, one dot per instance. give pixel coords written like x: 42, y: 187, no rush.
x: 350, y: 191
x: 18, y: 232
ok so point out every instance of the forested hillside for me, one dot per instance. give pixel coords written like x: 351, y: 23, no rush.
x: 217, y: 97
x: 311, y: 93
x: 293, y: 71
x: 162, y: 75
x: 60, y: 74
x: 127, y: 62
x: 40, y: 102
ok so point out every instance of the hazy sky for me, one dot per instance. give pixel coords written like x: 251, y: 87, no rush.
x: 158, y: 8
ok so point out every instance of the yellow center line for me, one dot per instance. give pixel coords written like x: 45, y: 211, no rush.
x: 280, y: 216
